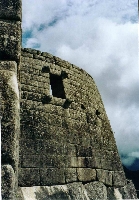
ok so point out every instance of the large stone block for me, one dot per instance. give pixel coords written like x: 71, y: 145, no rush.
x: 119, y: 179
x: 72, y: 191
x: 8, y: 65
x: 8, y: 182
x: 126, y: 192
x: 49, y: 161
x: 29, y: 146
x: 86, y: 174
x: 52, y: 176
x: 10, y: 9
x: 96, y: 190
x: 70, y: 175
x: 30, y: 161
x: 10, y: 117
x: 10, y: 40
x: 76, y: 162
x: 104, y: 176
x: 29, y: 177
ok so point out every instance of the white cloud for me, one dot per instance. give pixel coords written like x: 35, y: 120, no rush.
x: 33, y: 42
x: 39, y: 12
x: 130, y: 158
x: 43, y: 11
x: 100, y: 37
x: 134, y: 154
x: 128, y: 161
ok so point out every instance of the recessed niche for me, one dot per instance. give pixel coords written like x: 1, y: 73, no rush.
x: 57, y: 87
x: 45, y: 69
x: 64, y: 74
x: 97, y: 112
x: 46, y: 99
x: 83, y: 107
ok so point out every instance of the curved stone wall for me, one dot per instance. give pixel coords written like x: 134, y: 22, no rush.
x: 65, y: 133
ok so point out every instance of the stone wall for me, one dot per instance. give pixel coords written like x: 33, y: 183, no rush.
x: 10, y: 50
x: 65, y: 136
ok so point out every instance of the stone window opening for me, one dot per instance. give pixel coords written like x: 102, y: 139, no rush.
x: 56, y: 86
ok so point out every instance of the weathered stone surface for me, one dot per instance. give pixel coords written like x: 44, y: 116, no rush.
x: 105, y: 176
x: 10, y: 117
x: 52, y: 176
x: 86, y: 174
x: 10, y: 40
x: 126, y: 192
x: 8, y: 182
x: 96, y: 190
x: 70, y: 175
x: 119, y: 179
x: 10, y: 9
x: 78, y: 191
x: 8, y: 65
x: 29, y: 177
x: 111, y: 194
x: 73, y: 191
x: 10, y: 50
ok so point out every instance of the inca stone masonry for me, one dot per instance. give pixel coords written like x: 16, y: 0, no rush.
x: 54, y: 146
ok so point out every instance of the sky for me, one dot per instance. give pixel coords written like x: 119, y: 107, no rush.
x: 100, y: 37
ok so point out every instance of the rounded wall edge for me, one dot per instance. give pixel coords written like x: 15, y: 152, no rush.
x: 45, y: 56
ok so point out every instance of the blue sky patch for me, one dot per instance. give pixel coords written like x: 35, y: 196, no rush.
x: 25, y: 36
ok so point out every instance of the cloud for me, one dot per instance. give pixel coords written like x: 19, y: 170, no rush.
x: 100, y: 37
x: 131, y: 160
x: 135, y: 154
x: 44, y: 11
x: 128, y: 161
x: 36, y: 13
x: 33, y: 42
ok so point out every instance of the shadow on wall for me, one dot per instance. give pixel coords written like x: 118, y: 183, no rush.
x: 43, y: 194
